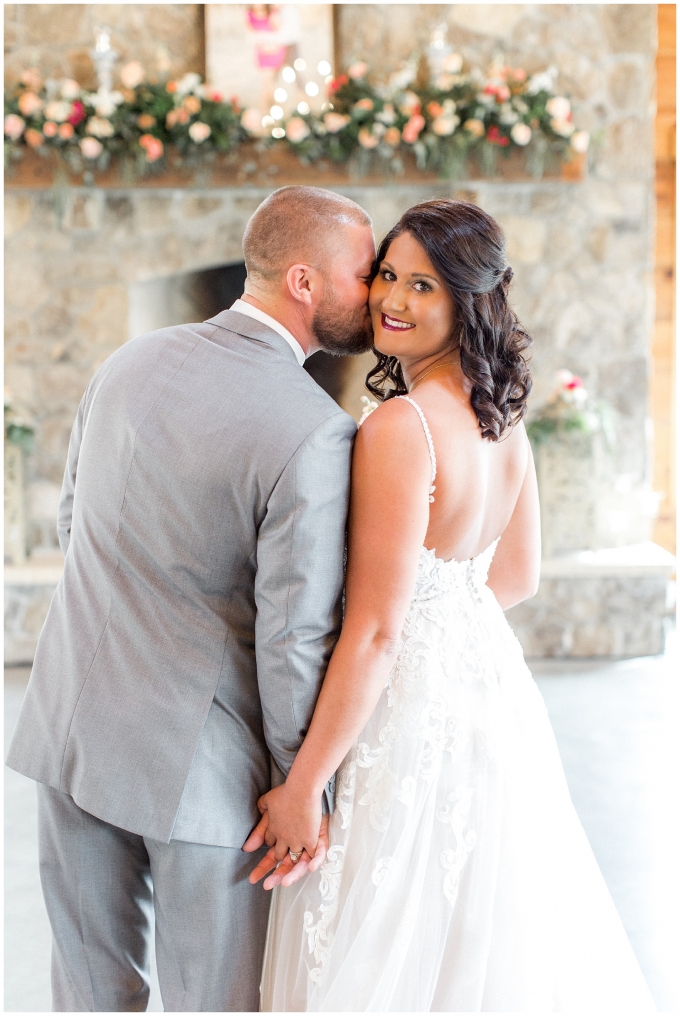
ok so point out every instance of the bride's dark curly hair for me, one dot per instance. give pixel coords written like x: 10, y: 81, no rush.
x: 467, y: 249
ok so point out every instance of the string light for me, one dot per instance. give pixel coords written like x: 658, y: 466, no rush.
x: 278, y: 132
x: 324, y: 67
x: 280, y: 94
x: 268, y: 121
x: 300, y: 64
x: 288, y: 75
x: 328, y: 79
x: 276, y: 112
x: 303, y: 108
x: 311, y: 88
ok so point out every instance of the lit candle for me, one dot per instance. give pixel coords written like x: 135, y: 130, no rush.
x: 103, y: 44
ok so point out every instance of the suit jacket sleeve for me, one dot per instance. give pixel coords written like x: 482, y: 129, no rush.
x: 298, y: 586
x: 65, y: 511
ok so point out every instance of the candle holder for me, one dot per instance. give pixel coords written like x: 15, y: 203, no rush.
x: 104, y: 58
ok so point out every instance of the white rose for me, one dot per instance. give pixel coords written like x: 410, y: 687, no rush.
x: 409, y: 102
x: 199, y: 131
x: 521, y: 134
x: 580, y: 141
x: 57, y: 111
x: 367, y: 139
x: 105, y: 102
x: 70, y: 89
x: 453, y: 63
x: 100, y: 127
x: 132, y: 74
x: 444, y: 125
x: 91, y: 148
x: 562, y: 127
x: 358, y: 70
x: 335, y: 122
x: 558, y: 107
x: 188, y: 83
x: 296, y: 130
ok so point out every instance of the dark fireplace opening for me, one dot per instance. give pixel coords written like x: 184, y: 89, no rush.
x: 196, y: 296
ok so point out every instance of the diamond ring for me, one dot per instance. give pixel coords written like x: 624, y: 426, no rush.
x: 295, y: 855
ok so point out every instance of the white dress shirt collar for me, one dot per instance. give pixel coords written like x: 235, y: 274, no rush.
x: 241, y: 307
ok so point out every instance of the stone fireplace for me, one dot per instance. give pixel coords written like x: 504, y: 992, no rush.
x: 88, y: 268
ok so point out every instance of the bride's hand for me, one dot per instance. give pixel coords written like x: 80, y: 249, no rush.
x: 289, y: 871
x: 294, y: 819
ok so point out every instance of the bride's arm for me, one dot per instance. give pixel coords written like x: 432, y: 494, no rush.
x: 516, y: 566
x: 388, y: 519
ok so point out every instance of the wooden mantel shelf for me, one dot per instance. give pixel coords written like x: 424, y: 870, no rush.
x: 251, y: 167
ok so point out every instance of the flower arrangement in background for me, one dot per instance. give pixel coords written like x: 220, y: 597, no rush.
x: 569, y: 409
x: 453, y: 117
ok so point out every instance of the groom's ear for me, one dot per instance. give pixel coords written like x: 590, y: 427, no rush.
x: 302, y: 280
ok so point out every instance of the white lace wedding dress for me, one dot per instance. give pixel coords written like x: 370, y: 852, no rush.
x: 459, y: 877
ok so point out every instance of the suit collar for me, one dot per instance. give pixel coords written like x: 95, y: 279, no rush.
x: 242, y: 324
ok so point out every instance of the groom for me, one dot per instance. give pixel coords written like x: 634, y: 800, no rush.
x: 202, y: 519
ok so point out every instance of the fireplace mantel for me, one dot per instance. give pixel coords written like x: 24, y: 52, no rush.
x: 254, y: 166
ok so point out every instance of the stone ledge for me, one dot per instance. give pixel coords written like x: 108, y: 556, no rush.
x: 606, y: 603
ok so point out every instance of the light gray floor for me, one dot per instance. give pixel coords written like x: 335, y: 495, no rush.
x: 617, y: 728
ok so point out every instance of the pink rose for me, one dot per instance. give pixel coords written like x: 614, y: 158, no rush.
x: 152, y: 146
x: 77, y: 113
x: 30, y: 104
x: 358, y: 70
x: 66, y: 131
x: 91, y: 148
x: 31, y: 78
x: 413, y: 128
x: 296, y: 130
x: 502, y: 93
x: 132, y: 74
x: 14, y: 126
x: 251, y: 120
x: 580, y: 141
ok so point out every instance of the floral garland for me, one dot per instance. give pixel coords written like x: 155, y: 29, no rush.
x: 443, y: 123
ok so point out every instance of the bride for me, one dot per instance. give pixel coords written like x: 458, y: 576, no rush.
x: 457, y: 876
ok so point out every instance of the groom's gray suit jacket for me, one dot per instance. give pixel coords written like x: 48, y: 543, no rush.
x: 203, y: 522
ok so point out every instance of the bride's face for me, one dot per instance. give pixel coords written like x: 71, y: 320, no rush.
x: 411, y: 309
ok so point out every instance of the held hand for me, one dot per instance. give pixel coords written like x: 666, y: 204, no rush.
x: 294, y: 820
x: 288, y: 871
x: 258, y: 836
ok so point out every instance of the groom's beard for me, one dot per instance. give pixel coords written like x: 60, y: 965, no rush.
x: 342, y: 332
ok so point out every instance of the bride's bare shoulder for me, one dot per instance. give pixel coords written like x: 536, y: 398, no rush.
x: 392, y: 431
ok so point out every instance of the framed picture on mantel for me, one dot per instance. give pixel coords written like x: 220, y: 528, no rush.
x: 275, y: 58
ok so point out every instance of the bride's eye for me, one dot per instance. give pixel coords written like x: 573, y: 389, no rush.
x: 387, y: 275
x: 422, y: 287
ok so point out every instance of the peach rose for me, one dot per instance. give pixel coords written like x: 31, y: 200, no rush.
x: 100, y: 127
x: 413, y: 128
x: 69, y: 89
x: 475, y: 127
x: 334, y: 122
x: 297, y: 130
x: 132, y: 74
x: 57, y: 110
x: 145, y: 121
x: 91, y: 148
x: 33, y: 137
x: 410, y: 103
x: 392, y: 136
x: 502, y: 93
x: 367, y: 139
x: 66, y: 131
x: 366, y: 104
x: 50, y: 129
x: 14, y: 126
x: 192, y: 104
x: 562, y: 127
x: 30, y: 103
x: 558, y: 107
x: 445, y: 125
x: 31, y: 78
x: 199, y: 132
x: 434, y: 109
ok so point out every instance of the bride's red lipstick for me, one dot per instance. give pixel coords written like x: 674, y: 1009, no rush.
x: 403, y: 326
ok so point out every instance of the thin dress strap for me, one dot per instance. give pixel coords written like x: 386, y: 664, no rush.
x: 430, y: 445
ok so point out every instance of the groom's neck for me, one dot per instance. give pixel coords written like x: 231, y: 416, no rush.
x: 287, y: 314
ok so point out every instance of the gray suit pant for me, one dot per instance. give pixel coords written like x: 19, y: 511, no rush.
x: 101, y: 886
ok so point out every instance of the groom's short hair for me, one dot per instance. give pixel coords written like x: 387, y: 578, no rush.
x: 296, y: 224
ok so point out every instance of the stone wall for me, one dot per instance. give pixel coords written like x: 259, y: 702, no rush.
x: 57, y: 38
